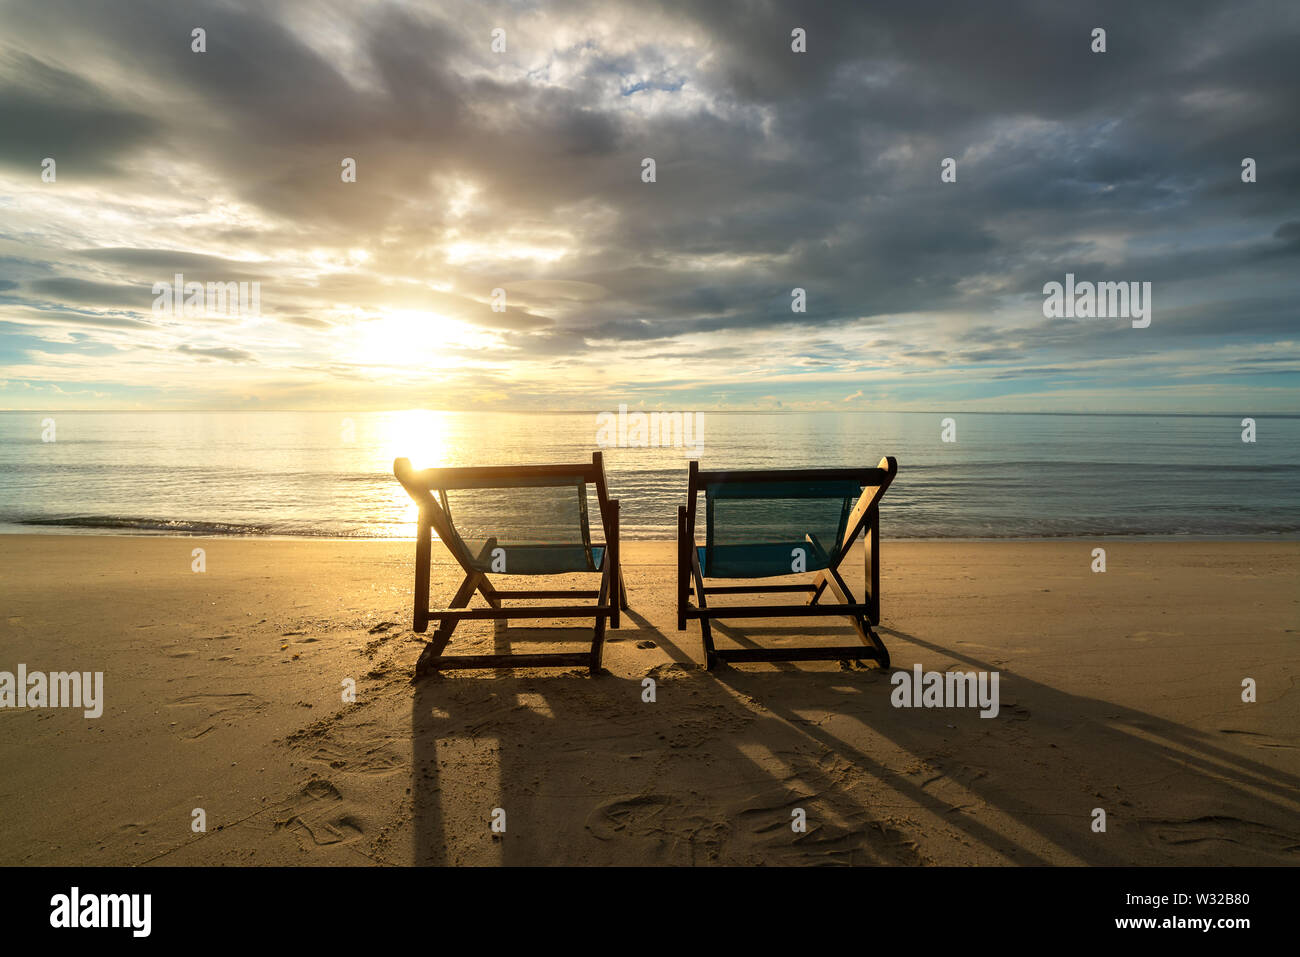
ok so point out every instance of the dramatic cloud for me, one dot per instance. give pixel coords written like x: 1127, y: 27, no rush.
x: 499, y: 246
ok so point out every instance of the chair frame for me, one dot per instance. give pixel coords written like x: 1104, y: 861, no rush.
x: 865, y: 515
x: 610, y: 598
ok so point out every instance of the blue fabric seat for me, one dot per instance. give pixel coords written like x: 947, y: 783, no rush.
x: 753, y: 529
x: 532, y: 530
x: 759, y: 561
x: 544, y: 560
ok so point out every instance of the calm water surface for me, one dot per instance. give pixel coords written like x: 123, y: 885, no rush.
x: 330, y: 474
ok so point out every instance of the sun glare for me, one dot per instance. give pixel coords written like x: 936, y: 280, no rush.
x: 420, y: 435
x: 408, y: 337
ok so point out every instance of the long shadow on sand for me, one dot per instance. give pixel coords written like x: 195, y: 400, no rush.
x: 1172, y: 794
x: 712, y: 771
x: 586, y: 771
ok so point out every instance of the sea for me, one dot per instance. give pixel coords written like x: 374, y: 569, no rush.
x: 960, y: 475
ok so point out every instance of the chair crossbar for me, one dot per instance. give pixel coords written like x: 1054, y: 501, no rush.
x: 863, y: 518
x: 605, y: 603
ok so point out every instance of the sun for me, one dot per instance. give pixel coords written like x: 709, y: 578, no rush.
x: 402, y: 338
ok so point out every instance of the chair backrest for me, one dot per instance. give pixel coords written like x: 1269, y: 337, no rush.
x: 518, y: 520
x: 780, y: 522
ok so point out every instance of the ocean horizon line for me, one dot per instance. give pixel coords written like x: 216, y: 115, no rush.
x: 640, y: 408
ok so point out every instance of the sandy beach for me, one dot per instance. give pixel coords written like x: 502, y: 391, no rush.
x: 223, y: 691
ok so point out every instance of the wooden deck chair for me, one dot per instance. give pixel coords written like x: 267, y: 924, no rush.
x: 764, y: 524
x: 525, y: 520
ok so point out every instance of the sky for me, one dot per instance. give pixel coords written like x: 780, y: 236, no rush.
x: 501, y: 248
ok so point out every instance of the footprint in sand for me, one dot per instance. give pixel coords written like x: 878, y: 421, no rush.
x: 319, y: 817
x: 673, y: 669
x: 358, y: 753
x: 638, y: 815
x: 1208, y: 833
x: 198, y: 714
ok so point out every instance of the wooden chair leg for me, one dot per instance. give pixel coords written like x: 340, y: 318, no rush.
x: 819, y: 587
x: 871, y: 556
x: 882, y: 653
x: 598, y: 635
x: 866, y: 634
x: 706, y: 632
x: 683, y: 568
x: 423, y: 556
x: 442, y: 634
x: 614, y: 559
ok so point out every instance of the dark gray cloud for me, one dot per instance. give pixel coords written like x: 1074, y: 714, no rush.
x: 775, y: 170
x: 48, y: 111
x: 163, y: 264
x: 217, y: 352
x: 86, y: 292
